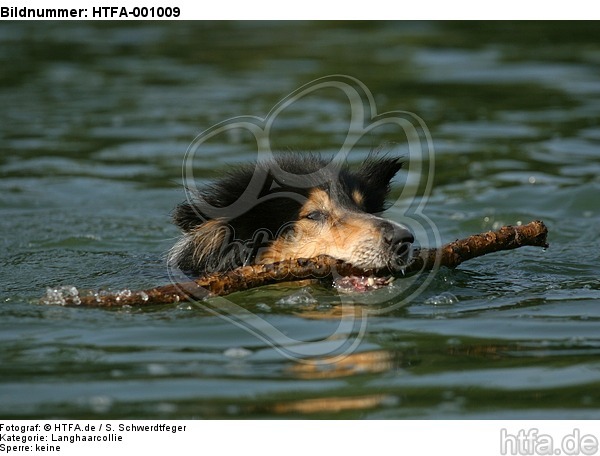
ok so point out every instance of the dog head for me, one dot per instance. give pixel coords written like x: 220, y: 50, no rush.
x: 299, y: 206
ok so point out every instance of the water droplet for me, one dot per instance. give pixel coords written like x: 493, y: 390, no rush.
x: 62, y: 296
x: 443, y: 299
x: 122, y: 295
x: 263, y: 307
x: 300, y: 298
x: 184, y: 306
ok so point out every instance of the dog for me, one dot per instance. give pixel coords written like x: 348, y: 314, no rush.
x: 293, y: 206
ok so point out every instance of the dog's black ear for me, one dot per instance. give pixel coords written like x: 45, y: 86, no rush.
x: 187, y: 216
x: 375, y: 175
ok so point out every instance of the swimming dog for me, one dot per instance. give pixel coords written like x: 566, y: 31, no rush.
x: 294, y: 206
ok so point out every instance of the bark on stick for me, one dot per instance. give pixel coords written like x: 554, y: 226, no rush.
x: 323, y: 267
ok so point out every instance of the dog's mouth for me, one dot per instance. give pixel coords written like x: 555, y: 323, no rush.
x: 379, y: 276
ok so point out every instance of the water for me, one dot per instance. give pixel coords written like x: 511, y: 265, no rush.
x: 95, y: 124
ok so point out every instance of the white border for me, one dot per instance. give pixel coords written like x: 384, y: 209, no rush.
x: 347, y: 438
x: 318, y: 10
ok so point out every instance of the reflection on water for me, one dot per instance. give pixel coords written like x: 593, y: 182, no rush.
x: 355, y: 363
x: 97, y: 119
x: 371, y: 362
x: 332, y: 404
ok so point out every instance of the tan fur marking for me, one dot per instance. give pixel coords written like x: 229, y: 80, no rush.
x: 358, y: 198
x: 351, y: 236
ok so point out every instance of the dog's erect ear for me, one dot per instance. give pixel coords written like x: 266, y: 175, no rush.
x: 376, y: 174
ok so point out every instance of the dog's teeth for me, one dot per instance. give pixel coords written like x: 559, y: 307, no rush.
x: 371, y: 281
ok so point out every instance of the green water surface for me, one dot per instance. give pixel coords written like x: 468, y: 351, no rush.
x: 95, y: 122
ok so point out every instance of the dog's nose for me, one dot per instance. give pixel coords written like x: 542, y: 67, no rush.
x: 396, y: 234
x: 399, y: 239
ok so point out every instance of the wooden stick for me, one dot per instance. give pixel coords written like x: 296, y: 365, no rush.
x: 322, y: 267
x: 506, y: 238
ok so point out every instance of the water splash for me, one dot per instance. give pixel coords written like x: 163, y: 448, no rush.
x: 60, y: 295
x: 444, y: 299
x: 261, y: 306
x: 126, y: 293
x: 299, y: 299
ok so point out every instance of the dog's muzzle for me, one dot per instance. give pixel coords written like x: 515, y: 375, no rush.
x: 400, y: 240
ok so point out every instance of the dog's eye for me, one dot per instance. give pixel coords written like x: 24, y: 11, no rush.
x: 316, y: 216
